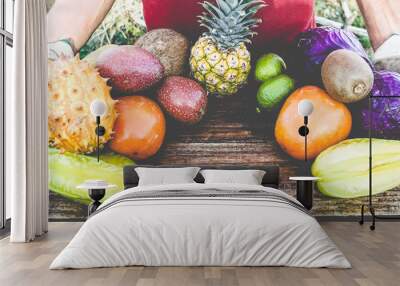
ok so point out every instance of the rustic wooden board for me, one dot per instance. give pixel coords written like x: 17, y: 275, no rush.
x: 232, y: 133
x: 61, y: 208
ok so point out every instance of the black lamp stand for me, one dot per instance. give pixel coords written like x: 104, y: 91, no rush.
x: 370, y: 205
x: 100, y: 131
x: 303, y: 131
x: 96, y: 195
x: 304, y: 190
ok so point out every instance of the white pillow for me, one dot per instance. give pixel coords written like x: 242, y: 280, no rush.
x: 165, y: 176
x: 248, y: 177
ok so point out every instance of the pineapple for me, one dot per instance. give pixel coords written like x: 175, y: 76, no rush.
x: 219, y: 59
x: 72, y: 85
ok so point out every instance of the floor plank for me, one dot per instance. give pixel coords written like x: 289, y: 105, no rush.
x: 375, y: 257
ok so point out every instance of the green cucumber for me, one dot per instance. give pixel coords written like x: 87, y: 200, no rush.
x: 68, y: 170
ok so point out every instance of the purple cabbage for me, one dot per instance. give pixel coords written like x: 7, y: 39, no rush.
x: 314, y: 45
x: 385, y: 111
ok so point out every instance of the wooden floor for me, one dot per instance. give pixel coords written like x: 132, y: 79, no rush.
x: 375, y: 257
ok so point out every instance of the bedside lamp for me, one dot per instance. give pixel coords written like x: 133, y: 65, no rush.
x: 98, y: 108
x: 305, y: 108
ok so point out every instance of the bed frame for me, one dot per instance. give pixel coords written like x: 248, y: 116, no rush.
x: 271, y: 177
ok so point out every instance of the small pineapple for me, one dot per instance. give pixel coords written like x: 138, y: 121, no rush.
x: 220, y: 59
x: 72, y: 85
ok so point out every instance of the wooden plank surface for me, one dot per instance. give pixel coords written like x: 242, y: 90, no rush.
x: 232, y: 133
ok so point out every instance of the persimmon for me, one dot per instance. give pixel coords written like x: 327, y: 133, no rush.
x: 329, y: 123
x: 139, y: 130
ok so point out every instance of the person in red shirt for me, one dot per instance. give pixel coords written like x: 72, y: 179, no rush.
x: 71, y: 23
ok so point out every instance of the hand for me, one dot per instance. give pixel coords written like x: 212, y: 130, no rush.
x: 382, y: 18
x: 60, y: 48
x: 76, y: 20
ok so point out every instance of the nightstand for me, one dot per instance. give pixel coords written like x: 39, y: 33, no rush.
x: 304, y: 191
x: 96, y: 190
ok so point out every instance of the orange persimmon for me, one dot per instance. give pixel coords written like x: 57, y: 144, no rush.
x: 139, y: 129
x: 329, y: 123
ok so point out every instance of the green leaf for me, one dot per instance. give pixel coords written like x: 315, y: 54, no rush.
x: 213, y: 10
x: 226, y: 9
x: 233, y: 3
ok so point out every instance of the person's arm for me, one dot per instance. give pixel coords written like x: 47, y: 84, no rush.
x: 382, y: 18
x: 75, y: 20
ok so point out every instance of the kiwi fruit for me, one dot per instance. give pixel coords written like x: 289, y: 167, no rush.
x: 347, y: 77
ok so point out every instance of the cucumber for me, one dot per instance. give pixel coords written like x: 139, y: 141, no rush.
x: 68, y: 170
x: 273, y: 91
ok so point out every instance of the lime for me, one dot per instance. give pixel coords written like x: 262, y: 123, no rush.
x: 268, y: 66
x: 274, y: 90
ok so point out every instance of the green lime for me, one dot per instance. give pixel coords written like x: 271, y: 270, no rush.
x: 268, y: 66
x: 274, y: 90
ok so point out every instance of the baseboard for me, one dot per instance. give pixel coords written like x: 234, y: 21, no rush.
x: 78, y: 219
x: 319, y: 218
x: 5, y: 231
x: 357, y: 218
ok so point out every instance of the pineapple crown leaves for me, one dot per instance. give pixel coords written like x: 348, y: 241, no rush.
x: 230, y: 22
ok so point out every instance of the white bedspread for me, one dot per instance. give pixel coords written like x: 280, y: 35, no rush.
x: 192, y: 231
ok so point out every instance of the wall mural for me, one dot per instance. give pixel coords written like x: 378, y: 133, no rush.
x: 219, y: 84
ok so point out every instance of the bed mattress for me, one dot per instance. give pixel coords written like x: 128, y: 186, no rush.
x: 201, y: 225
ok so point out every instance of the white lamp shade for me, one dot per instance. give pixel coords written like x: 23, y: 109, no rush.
x: 98, y: 107
x: 305, y: 107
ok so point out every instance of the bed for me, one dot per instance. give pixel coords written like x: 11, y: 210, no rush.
x: 198, y: 224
